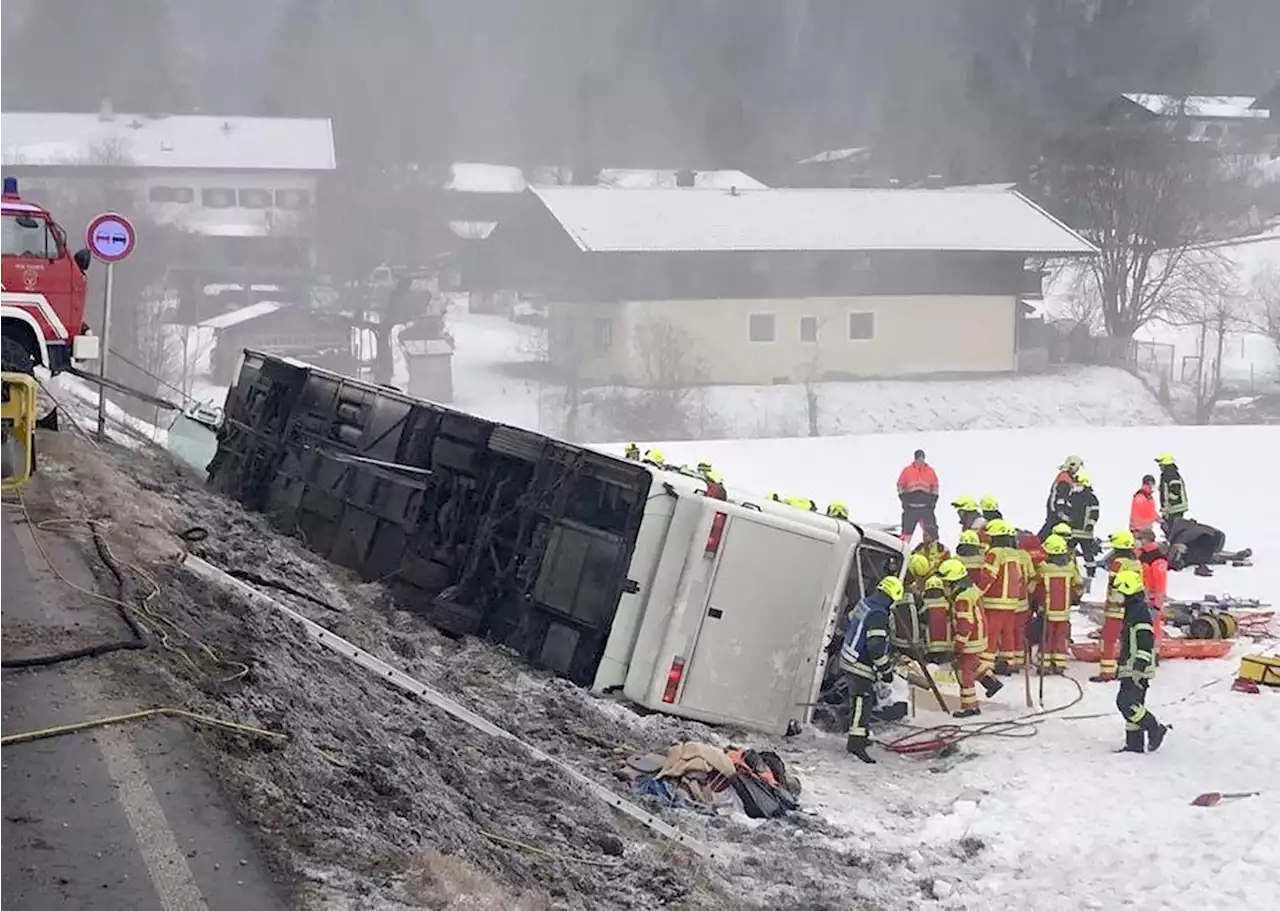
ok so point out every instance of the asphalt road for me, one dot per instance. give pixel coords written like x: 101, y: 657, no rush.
x: 120, y: 817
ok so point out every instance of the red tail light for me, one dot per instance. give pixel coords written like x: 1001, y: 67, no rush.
x: 673, y: 680
x: 717, y: 532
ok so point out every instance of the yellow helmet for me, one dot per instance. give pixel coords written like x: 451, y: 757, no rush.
x: 918, y: 564
x: 655, y: 456
x: 932, y: 582
x: 838, y: 510
x: 969, y: 536
x: 892, y: 586
x: 965, y: 504
x: 999, y: 528
x: 1127, y: 582
x: 952, y: 570
x: 1164, y: 458
x: 1122, y: 539
x: 1084, y: 480
x: 989, y: 503
x: 1062, y: 529
x: 1054, y: 545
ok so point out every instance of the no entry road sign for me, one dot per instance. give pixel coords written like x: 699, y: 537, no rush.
x: 110, y: 237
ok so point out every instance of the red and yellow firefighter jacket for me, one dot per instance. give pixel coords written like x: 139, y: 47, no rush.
x: 937, y: 621
x: 935, y: 551
x: 973, y: 558
x: 1006, y: 579
x: 1060, y: 586
x: 969, y: 621
x: 1118, y: 562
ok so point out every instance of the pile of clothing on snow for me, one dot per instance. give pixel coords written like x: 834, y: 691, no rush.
x: 706, y: 779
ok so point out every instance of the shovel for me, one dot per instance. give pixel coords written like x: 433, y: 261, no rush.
x: 1213, y: 798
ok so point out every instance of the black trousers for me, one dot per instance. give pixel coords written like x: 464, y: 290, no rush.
x: 913, y: 515
x: 863, y: 693
x: 1089, y: 548
x: 1131, y: 700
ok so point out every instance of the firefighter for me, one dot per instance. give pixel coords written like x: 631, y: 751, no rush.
x: 838, y: 510
x: 918, y: 492
x: 1083, y: 510
x: 1155, y: 580
x: 866, y: 658
x: 1057, y: 505
x: 653, y: 456
x: 632, y: 452
x: 804, y: 503
x: 1137, y: 666
x: 932, y: 550
x: 970, y: 645
x: 971, y: 552
x: 918, y: 571
x: 1120, y: 559
x: 1006, y: 575
x: 1173, y: 490
x: 938, y: 630
x: 969, y: 512
x: 713, y: 479
x: 1142, y: 511
x: 1060, y: 586
x: 990, y: 507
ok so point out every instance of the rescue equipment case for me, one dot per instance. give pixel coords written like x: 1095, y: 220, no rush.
x: 1263, y: 670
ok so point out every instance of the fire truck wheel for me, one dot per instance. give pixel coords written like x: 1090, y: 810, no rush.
x: 15, y: 357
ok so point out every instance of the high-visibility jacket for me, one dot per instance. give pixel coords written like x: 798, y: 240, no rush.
x: 801, y: 503
x: 973, y: 559
x: 1115, y: 563
x: 969, y: 621
x: 1137, y: 644
x: 1056, y: 506
x: 937, y: 622
x: 1173, y: 492
x: 1030, y: 542
x: 1060, y: 585
x: 1084, y: 510
x: 935, y: 551
x: 865, y: 652
x: 1142, y: 512
x: 1005, y: 579
x: 918, y: 479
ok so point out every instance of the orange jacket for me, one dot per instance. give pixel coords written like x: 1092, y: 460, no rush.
x: 1006, y: 578
x: 1060, y: 586
x: 969, y: 622
x: 918, y: 478
x: 1143, y: 513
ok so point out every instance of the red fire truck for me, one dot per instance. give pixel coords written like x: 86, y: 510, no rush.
x: 42, y: 290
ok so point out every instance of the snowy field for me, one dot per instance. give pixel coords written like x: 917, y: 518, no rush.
x: 1062, y: 821
x: 1086, y: 396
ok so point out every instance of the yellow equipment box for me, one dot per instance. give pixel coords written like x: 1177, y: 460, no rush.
x: 18, y: 429
x: 1263, y: 670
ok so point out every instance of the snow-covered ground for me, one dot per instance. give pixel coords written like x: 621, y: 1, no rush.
x: 1058, y: 820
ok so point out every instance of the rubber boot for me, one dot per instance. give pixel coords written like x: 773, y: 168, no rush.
x: 857, y: 746
x: 1102, y: 678
x: 1203, y: 570
x: 967, y: 713
x: 1155, y: 732
x: 991, y: 685
x: 1002, y: 668
x: 1133, y: 742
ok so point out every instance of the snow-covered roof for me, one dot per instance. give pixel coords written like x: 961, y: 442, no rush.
x: 644, y: 179
x: 1234, y: 107
x: 836, y: 155
x: 478, y: 177
x: 603, y: 220
x: 243, y: 315
x: 186, y: 141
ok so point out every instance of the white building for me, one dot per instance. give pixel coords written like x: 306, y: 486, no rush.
x: 218, y: 176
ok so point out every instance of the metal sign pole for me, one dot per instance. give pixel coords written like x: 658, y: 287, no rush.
x: 102, y: 355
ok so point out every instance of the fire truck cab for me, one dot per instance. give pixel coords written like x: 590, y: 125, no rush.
x: 42, y: 290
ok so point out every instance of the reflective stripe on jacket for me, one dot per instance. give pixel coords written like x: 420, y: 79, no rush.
x: 970, y: 621
x: 1117, y: 563
x: 1060, y: 586
x: 1005, y: 579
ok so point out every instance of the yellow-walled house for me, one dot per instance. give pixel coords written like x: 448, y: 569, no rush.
x: 692, y: 286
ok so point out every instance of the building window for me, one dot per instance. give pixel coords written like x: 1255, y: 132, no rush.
x: 218, y: 198
x: 603, y: 333
x: 180, y: 195
x: 255, y: 199
x: 293, y: 200
x: 762, y: 327
x: 808, y: 328
x: 862, y: 327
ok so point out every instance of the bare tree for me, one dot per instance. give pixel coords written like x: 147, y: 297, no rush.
x: 1214, y: 316
x: 1264, y: 317
x: 1149, y: 198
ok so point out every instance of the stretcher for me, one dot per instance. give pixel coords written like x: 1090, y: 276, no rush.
x: 1091, y: 652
